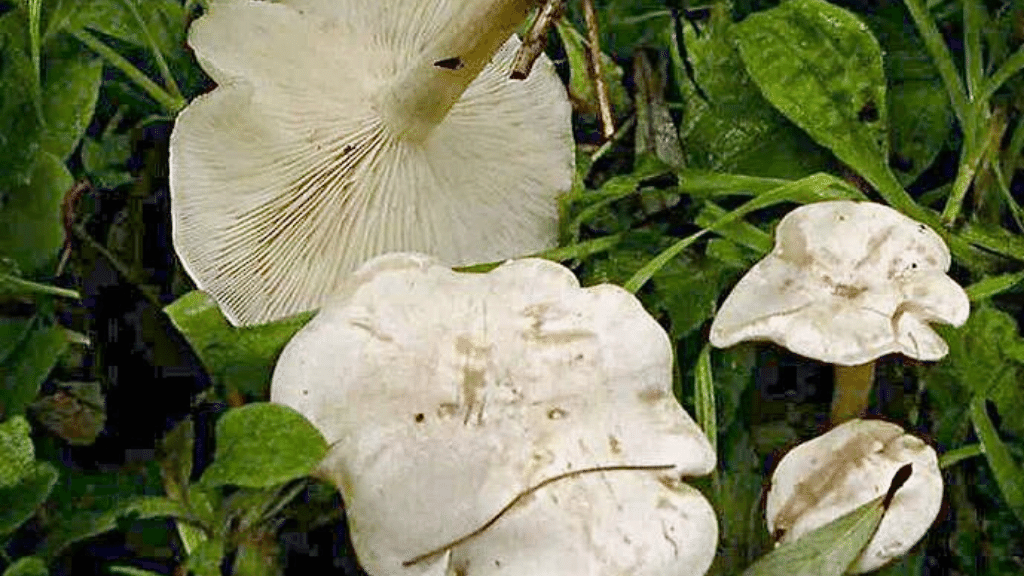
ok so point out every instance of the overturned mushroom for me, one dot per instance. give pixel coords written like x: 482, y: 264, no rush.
x: 501, y: 423
x: 846, y: 283
x: 341, y: 130
x: 833, y: 474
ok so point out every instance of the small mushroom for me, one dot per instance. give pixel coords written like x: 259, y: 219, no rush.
x: 833, y: 474
x: 846, y: 283
x: 501, y: 423
x: 340, y: 130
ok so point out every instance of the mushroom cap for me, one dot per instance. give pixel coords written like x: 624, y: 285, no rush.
x: 846, y: 283
x: 446, y: 395
x: 852, y: 464
x: 284, y: 178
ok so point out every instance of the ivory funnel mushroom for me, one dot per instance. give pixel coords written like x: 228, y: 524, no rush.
x: 340, y: 130
x: 846, y: 283
x: 852, y: 464
x: 501, y: 423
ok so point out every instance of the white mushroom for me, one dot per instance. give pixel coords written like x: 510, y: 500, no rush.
x: 833, y: 474
x: 501, y: 423
x: 341, y: 130
x: 846, y: 283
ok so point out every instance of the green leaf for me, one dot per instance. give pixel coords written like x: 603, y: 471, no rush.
x: 162, y: 20
x: 1009, y: 475
x: 920, y: 115
x: 13, y: 332
x: 822, y: 67
x: 239, y: 358
x: 27, y: 566
x: 263, y: 444
x: 206, y: 559
x: 704, y: 396
x: 992, y: 285
x: 18, y: 503
x: 825, y: 551
x: 28, y: 366
x: 71, y: 86
x: 735, y: 129
x: 30, y: 227
x: 986, y: 359
x: 132, y: 571
x: 105, y: 160
x: 89, y: 524
x: 656, y: 133
x: 16, y: 451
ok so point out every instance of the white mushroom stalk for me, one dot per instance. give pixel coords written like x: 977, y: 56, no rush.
x: 341, y: 130
x: 833, y: 474
x: 501, y: 423
x: 846, y: 283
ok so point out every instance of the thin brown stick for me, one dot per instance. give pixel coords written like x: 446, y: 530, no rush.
x: 604, y: 103
x: 519, y: 498
x: 536, y: 38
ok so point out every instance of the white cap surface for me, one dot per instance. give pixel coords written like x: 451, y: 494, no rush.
x: 854, y: 463
x: 448, y: 395
x: 284, y: 178
x: 846, y: 282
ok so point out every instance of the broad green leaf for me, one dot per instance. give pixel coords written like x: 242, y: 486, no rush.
x: 920, y: 115
x: 27, y: 566
x: 19, y: 502
x: 71, y: 84
x: 16, y: 451
x: 239, y: 358
x: 822, y: 68
x: 1009, y: 475
x: 30, y: 227
x: 105, y: 160
x: 88, y: 524
x: 826, y: 551
x: 263, y: 444
x: 206, y: 559
x: 986, y: 359
x: 162, y: 20
x: 12, y: 332
x: 27, y: 368
x: 735, y: 129
x: 921, y: 120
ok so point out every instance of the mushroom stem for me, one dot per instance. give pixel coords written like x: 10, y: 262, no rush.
x: 852, y: 388
x: 421, y: 96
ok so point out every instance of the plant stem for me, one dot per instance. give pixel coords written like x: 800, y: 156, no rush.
x: 960, y: 454
x: 169, y: 102
x: 426, y: 91
x: 852, y: 390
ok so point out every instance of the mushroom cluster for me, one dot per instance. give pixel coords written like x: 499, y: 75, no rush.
x: 846, y: 283
x: 340, y: 130
x: 851, y: 465
x: 501, y: 423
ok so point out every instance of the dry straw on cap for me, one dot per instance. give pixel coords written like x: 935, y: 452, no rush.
x: 341, y: 130
x: 501, y: 423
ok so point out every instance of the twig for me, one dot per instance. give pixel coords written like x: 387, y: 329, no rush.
x: 519, y: 498
x: 604, y: 104
x: 536, y: 38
